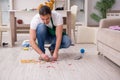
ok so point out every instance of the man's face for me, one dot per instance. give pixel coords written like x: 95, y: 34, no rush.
x: 45, y: 18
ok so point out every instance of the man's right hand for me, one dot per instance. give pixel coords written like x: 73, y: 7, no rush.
x: 45, y: 57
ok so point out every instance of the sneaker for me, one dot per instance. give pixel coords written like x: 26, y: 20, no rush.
x: 51, y: 51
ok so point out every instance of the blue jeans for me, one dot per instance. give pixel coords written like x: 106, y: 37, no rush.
x: 43, y: 37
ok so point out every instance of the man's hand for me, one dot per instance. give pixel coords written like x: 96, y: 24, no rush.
x: 45, y: 57
x: 55, y: 56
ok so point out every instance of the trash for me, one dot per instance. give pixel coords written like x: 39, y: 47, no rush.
x: 4, y: 44
x: 26, y: 43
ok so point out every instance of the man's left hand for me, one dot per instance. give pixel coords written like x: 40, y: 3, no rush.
x: 55, y: 56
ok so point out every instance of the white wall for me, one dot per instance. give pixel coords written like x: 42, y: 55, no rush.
x: 23, y: 4
x: 91, y: 4
x: 117, y: 5
x: 4, y: 6
x: 26, y: 16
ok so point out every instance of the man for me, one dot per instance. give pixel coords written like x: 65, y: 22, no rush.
x: 47, y: 26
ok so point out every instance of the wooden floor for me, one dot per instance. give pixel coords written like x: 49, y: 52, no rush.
x: 90, y: 67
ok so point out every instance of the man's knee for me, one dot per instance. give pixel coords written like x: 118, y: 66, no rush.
x: 41, y: 29
x: 67, y: 41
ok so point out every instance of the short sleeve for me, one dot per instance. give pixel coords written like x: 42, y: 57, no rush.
x: 33, y: 25
x: 34, y: 22
x: 57, y: 19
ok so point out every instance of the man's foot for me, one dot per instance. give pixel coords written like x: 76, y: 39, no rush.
x: 51, y: 51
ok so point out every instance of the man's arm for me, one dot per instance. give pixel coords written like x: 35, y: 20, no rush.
x: 59, y: 30
x: 34, y: 45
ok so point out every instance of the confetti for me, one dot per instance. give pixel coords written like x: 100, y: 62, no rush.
x: 29, y: 61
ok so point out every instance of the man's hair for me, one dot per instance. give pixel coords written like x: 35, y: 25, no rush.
x: 44, y: 10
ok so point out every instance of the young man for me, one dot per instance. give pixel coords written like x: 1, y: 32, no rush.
x: 47, y: 26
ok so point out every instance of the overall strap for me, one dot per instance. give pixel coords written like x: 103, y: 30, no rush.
x: 52, y: 23
x: 54, y: 27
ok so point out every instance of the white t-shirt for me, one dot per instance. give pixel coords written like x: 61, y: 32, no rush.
x: 56, y: 17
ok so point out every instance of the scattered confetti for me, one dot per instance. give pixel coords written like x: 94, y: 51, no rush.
x: 32, y: 61
x: 25, y: 48
x: 50, y: 67
x: 69, y: 64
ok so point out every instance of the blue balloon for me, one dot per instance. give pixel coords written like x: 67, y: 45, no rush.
x: 82, y: 50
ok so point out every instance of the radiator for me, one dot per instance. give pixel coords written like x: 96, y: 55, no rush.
x: 113, y: 15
